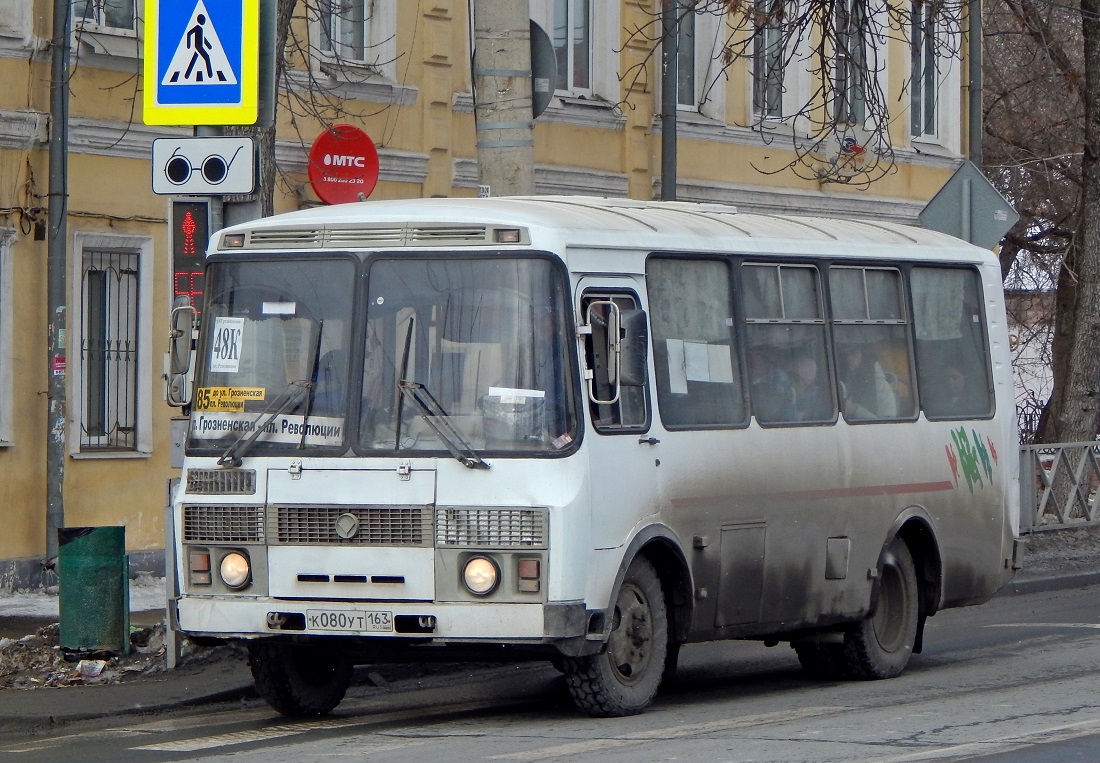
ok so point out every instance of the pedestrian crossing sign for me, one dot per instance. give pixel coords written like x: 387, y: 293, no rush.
x: 201, y: 62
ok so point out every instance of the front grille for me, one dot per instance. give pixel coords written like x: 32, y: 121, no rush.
x: 377, y: 526
x: 506, y: 528
x: 223, y: 524
x: 221, y: 481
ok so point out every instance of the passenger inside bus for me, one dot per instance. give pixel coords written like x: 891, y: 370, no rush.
x: 772, y: 387
x: 810, y: 399
x: 866, y: 391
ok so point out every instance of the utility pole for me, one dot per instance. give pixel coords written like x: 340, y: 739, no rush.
x: 502, y: 97
x: 56, y: 263
x: 670, y: 82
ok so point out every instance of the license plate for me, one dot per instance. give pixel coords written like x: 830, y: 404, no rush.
x: 374, y: 621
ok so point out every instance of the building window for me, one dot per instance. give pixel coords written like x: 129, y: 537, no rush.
x: 923, y: 90
x: 344, y: 26
x: 851, y: 73
x: 768, y: 60
x: 572, y: 38
x: 109, y: 350
x: 118, y: 14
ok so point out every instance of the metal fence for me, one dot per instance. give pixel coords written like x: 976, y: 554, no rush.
x: 1058, y: 486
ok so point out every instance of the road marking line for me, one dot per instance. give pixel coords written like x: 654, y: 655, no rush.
x: 668, y: 732
x: 1091, y: 626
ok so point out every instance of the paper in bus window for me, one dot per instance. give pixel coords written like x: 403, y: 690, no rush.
x: 225, y: 352
x: 279, y: 308
x: 697, y: 362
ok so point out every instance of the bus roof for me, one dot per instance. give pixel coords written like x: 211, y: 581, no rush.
x: 579, y: 220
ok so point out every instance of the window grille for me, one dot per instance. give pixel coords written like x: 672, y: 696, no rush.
x: 109, y: 350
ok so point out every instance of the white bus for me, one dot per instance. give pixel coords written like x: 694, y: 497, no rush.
x: 589, y: 431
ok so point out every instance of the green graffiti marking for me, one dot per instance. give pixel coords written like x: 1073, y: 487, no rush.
x: 983, y: 454
x: 970, y: 458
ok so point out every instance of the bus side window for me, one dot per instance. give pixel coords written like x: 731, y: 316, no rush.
x: 871, y: 336
x: 952, y: 361
x: 627, y: 413
x: 699, y: 381
x: 785, y: 330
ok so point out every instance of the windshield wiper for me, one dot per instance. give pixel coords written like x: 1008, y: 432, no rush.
x: 432, y: 412
x: 286, y: 399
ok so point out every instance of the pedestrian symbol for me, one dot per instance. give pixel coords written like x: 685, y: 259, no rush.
x: 201, y: 62
x: 200, y: 57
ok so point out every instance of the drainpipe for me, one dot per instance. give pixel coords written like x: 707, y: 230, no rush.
x: 56, y: 262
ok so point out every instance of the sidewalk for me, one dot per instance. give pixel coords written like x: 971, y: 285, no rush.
x: 221, y: 673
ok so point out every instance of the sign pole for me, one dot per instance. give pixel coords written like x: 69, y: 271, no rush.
x: 57, y: 259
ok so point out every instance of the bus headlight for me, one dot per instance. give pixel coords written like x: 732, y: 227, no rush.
x: 481, y: 575
x: 234, y: 570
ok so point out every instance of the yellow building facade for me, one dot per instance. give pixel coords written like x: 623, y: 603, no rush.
x: 401, y: 71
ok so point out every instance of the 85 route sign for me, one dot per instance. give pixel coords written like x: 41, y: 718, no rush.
x: 201, y: 62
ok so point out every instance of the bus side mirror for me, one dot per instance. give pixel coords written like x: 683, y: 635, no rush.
x: 179, y: 352
x: 633, y: 344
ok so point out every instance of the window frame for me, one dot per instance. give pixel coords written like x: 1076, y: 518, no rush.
x: 7, y: 377
x: 141, y: 248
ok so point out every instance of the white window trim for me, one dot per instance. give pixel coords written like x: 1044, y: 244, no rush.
x: 7, y: 377
x: 605, y: 45
x: 380, y: 44
x: 143, y: 246
x: 796, y: 91
x: 948, y: 100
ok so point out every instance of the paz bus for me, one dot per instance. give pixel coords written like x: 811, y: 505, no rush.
x: 588, y: 431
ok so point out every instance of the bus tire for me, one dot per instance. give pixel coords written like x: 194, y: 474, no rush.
x: 880, y: 645
x: 299, y: 681
x: 623, y: 679
x: 820, y: 661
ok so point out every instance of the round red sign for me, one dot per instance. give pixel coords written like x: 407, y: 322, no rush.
x: 343, y: 165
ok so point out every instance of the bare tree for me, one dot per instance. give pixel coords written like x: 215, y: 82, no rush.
x: 838, y: 131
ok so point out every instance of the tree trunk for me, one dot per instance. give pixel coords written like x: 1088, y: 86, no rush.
x: 1072, y: 415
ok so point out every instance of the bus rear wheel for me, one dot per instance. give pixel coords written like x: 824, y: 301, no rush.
x: 880, y: 645
x: 623, y: 679
x: 299, y: 681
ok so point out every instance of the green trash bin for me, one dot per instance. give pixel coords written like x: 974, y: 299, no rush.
x: 94, y: 589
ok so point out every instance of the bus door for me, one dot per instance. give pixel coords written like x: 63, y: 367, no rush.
x: 622, y: 457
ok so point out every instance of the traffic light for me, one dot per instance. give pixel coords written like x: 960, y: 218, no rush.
x: 190, y: 232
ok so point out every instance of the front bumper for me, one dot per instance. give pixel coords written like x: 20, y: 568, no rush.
x: 466, y: 622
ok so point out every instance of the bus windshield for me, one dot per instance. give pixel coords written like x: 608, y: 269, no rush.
x: 466, y: 354
x: 459, y: 356
x: 273, y: 361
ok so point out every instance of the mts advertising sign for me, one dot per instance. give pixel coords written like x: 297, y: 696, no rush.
x: 343, y: 165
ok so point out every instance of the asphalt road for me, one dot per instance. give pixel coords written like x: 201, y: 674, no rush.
x: 1014, y: 680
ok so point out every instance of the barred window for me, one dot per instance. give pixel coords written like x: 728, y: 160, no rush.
x: 109, y: 350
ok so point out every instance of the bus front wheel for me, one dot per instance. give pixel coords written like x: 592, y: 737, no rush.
x: 299, y: 680
x: 880, y: 645
x: 623, y: 679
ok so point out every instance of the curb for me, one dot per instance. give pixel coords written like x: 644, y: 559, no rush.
x: 27, y: 726
x: 1050, y: 583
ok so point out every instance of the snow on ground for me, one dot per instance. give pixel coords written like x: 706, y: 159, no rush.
x: 146, y: 593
